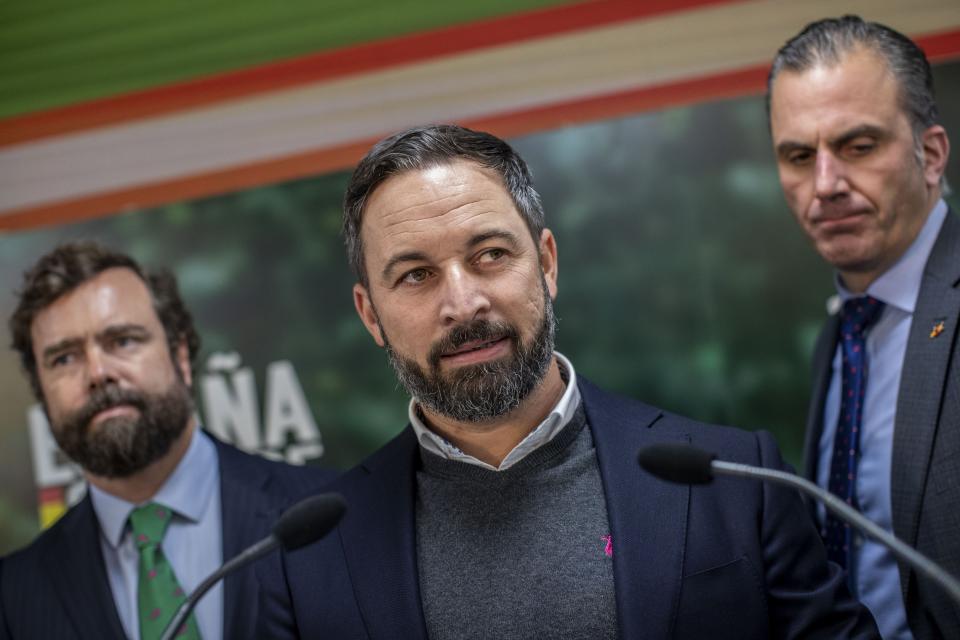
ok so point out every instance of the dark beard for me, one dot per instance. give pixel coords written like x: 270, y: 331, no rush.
x: 122, y: 446
x: 479, y: 393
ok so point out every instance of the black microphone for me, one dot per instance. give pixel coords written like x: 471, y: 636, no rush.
x: 685, y: 464
x: 303, y: 523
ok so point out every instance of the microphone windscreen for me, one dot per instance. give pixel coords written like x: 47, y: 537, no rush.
x: 309, y: 520
x: 676, y: 462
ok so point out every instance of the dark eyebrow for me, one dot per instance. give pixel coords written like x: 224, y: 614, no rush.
x: 116, y: 330
x: 112, y: 331
x: 411, y: 256
x: 419, y: 256
x: 59, y: 347
x: 785, y: 147
x: 863, y: 130
x: 480, y: 238
x: 844, y: 138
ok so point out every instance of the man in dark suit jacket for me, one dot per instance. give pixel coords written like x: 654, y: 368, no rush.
x: 64, y: 570
x: 107, y: 347
x: 861, y: 159
x: 735, y: 559
x: 513, y: 506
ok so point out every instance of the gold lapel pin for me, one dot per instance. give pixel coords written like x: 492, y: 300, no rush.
x: 937, y: 329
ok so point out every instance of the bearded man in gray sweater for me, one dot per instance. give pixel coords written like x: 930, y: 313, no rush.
x: 512, y: 505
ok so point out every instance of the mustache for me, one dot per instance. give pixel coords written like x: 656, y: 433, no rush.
x: 470, y: 332
x: 107, y: 397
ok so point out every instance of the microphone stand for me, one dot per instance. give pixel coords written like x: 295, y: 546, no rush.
x: 186, y: 607
x: 304, y: 523
x: 900, y: 549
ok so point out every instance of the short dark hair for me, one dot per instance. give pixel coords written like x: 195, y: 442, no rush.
x: 431, y: 146
x: 827, y: 41
x: 70, y: 265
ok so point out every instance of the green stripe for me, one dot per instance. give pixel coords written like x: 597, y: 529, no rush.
x: 55, y: 52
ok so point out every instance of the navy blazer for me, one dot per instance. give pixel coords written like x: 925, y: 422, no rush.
x: 733, y: 559
x: 58, y: 587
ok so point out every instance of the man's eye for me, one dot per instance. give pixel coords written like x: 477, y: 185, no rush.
x: 861, y: 147
x: 415, y: 277
x: 124, y: 341
x: 61, y: 360
x: 799, y: 158
x: 492, y: 255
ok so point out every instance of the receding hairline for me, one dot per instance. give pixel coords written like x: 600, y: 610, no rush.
x: 833, y: 62
x: 429, y: 165
x: 433, y: 163
x: 820, y: 61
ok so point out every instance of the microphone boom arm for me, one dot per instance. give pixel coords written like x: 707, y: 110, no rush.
x: 900, y: 549
x: 186, y: 607
x: 300, y: 525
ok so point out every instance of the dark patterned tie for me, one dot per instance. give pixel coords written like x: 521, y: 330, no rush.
x: 158, y: 593
x: 856, y: 316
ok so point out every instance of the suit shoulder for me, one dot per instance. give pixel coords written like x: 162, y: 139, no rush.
x: 604, y: 406
x: 28, y: 557
x: 391, y: 460
x: 616, y: 406
x: 732, y: 443
x: 234, y: 458
x: 302, y: 479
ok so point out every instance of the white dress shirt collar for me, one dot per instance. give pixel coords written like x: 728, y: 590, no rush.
x: 559, y: 417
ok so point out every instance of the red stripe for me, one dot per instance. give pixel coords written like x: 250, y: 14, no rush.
x: 213, y: 183
x: 50, y: 494
x: 345, y: 156
x: 323, y: 66
x: 732, y: 84
x: 726, y: 85
x: 940, y: 47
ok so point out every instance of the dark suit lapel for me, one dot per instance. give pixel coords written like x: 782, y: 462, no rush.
x: 923, y: 379
x: 379, y: 542
x: 648, y: 517
x: 75, y: 566
x: 822, y: 373
x: 245, y: 516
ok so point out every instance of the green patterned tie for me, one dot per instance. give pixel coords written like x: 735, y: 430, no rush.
x: 158, y: 593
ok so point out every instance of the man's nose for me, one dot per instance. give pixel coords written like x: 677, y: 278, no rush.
x: 100, y: 370
x: 830, y: 177
x: 464, y: 297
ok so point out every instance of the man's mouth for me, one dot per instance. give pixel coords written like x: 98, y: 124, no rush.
x: 113, y: 411
x: 838, y: 220
x: 477, y: 351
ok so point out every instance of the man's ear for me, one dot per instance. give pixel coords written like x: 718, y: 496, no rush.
x: 548, y: 261
x: 367, y: 313
x: 182, y: 362
x: 936, y: 152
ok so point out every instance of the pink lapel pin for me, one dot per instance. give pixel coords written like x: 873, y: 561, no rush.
x: 608, y: 549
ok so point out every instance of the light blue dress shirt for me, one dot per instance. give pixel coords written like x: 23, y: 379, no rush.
x: 192, y: 544
x: 874, y: 573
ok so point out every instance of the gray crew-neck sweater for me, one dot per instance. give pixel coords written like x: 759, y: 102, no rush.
x: 520, y: 553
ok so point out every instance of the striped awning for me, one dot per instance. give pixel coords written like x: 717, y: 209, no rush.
x: 509, y: 74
